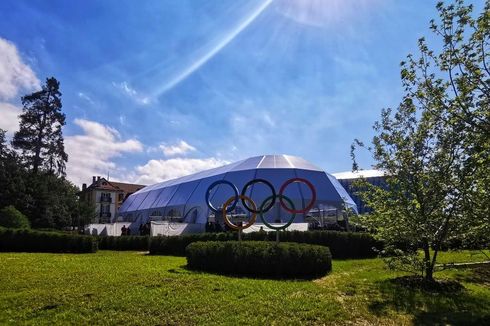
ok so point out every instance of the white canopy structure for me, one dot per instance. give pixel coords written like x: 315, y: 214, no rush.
x: 183, y: 200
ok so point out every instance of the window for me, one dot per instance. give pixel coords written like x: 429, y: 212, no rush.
x: 105, y: 197
x: 105, y: 208
x: 156, y: 216
x: 174, y: 213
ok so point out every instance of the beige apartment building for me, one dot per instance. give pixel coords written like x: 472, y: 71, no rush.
x: 107, y: 196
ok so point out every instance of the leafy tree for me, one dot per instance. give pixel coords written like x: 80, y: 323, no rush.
x: 53, y: 201
x: 84, y: 214
x: 12, y: 177
x: 458, y: 80
x: 40, y: 136
x: 435, y: 147
x: 10, y: 217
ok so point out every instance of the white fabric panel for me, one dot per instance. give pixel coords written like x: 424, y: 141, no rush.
x: 96, y: 229
x: 109, y: 229
x: 170, y: 229
x: 293, y: 227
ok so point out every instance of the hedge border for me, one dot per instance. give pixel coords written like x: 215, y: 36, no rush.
x: 343, y: 245
x: 24, y: 240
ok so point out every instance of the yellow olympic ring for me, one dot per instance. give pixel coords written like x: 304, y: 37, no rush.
x: 252, y: 219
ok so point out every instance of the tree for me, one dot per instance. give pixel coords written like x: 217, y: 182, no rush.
x: 53, y: 200
x: 40, y: 136
x: 435, y: 147
x: 12, y: 177
x: 84, y: 214
x: 10, y: 217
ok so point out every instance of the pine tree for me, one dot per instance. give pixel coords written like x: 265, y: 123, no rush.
x: 40, y: 136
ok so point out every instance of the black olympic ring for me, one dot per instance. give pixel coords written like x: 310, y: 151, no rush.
x: 214, y: 184
x: 269, y: 206
x: 272, y: 198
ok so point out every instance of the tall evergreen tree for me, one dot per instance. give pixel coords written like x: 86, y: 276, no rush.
x: 40, y: 136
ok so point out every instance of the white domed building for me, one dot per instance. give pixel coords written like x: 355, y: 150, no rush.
x: 185, y: 200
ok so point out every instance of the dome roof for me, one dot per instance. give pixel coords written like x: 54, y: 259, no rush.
x: 251, y: 163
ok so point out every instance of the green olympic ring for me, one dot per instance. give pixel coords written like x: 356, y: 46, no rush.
x: 282, y: 227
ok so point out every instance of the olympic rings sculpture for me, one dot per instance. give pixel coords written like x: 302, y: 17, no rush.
x: 266, y: 205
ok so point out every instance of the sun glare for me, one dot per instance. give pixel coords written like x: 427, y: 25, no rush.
x: 321, y: 13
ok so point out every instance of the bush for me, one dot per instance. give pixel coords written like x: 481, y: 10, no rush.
x: 260, y: 258
x: 343, y: 245
x: 17, y: 240
x: 10, y: 217
x: 139, y: 243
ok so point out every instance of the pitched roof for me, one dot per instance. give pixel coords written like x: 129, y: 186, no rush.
x: 127, y: 187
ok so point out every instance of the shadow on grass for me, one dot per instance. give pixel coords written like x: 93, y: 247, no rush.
x: 479, y: 275
x: 446, y: 306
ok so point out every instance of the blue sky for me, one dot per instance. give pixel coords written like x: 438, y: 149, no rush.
x: 156, y: 89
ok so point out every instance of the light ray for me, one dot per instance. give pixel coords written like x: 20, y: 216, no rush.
x: 214, y: 50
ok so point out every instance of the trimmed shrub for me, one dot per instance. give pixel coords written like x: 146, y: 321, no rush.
x: 343, y: 245
x: 10, y: 217
x: 139, y: 243
x: 260, y: 258
x: 17, y: 240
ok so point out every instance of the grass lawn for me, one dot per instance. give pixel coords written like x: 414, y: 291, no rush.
x: 132, y: 288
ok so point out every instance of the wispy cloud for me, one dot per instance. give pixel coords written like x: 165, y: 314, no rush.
x: 85, y: 97
x: 132, y: 93
x: 15, y: 75
x: 211, y: 50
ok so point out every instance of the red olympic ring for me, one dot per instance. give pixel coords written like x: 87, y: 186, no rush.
x: 310, y: 204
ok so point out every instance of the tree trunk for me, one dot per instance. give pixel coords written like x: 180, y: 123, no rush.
x: 427, y: 263
x: 37, y: 157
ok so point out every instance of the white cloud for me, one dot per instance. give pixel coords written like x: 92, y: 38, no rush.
x: 9, y: 117
x: 132, y: 93
x: 14, y: 73
x: 180, y: 148
x: 91, y: 153
x: 160, y: 170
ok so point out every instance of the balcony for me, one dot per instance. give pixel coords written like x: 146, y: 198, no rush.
x: 105, y: 199
x: 105, y: 214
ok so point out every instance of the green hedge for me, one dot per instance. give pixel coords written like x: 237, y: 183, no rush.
x: 175, y: 245
x: 139, y: 243
x: 343, y: 245
x: 17, y: 240
x: 260, y: 258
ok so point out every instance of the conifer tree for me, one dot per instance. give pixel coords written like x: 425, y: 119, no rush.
x: 40, y: 136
